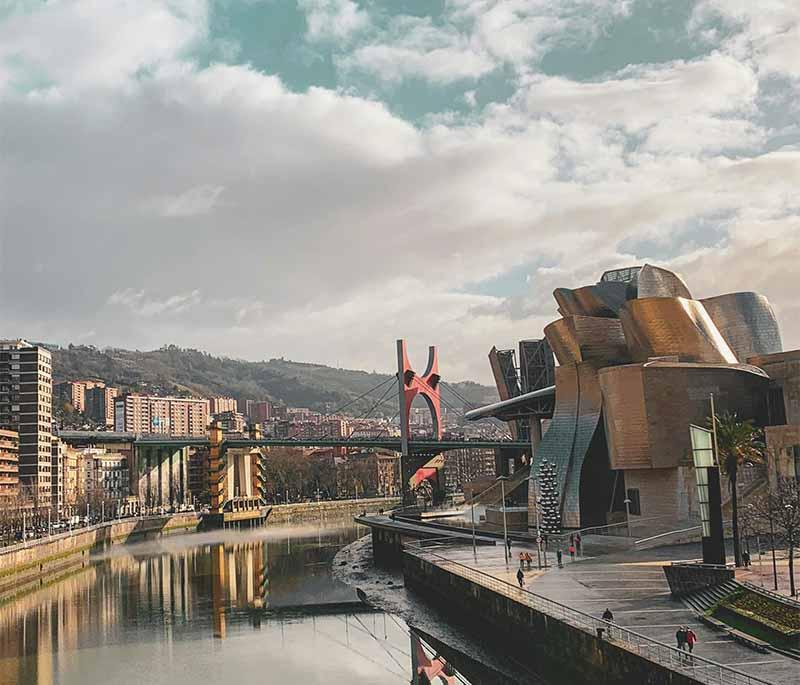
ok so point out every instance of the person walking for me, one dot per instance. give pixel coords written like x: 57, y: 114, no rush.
x: 521, y: 561
x: 608, y: 616
x: 559, y: 555
x: 520, y: 578
x: 691, y: 638
x: 528, y: 560
x: 572, y: 552
x: 508, y: 542
x: 680, y: 637
x: 578, y: 543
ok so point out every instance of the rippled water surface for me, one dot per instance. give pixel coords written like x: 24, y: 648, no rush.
x: 256, y: 607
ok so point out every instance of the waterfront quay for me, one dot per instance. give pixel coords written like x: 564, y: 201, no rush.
x: 553, y: 624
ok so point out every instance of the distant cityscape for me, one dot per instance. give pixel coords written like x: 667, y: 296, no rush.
x: 42, y: 472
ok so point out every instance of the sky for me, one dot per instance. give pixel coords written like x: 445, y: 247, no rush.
x: 312, y: 179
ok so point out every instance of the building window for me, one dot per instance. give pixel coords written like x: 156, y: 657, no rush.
x: 635, y: 503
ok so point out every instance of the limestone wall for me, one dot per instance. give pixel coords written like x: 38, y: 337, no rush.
x: 336, y: 510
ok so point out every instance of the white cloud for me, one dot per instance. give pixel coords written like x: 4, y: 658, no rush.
x: 321, y: 225
x: 768, y: 32
x: 418, y: 48
x: 197, y: 200
x: 88, y: 43
x: 139, y: 303
x: 333, y: 19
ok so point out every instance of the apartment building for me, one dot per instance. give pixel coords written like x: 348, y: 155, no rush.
x: 259, y: 412
x: 26, y: 399
x: 219, y: 405
x: 9, y: 465
x: 58, y: 450
x: 99, y: 403
x: 150, y: 414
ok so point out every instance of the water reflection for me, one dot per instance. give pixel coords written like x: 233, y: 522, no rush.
x: 259, y: 607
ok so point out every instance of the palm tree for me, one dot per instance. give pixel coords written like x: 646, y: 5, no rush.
x: 738, y: 442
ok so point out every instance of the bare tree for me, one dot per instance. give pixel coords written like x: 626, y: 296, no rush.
x: 780, y: 509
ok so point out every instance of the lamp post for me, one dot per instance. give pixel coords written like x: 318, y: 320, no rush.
x: 474, y: 543
x: 538, y: 529
x: 502, y: 480
x: 628, y: 514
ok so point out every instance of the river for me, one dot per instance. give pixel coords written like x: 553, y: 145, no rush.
x: 220, y: 607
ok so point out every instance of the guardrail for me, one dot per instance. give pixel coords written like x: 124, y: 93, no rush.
x: 46, y: 539
x: 697, y: 667
x: 777, y: 596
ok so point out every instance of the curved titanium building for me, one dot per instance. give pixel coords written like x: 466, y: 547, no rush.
x: 638, y: 361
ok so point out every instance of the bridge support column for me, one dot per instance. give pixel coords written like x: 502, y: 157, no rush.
x: 216, y: 469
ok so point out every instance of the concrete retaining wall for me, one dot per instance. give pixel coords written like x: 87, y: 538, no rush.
x: 31, y: 563
x: 556, y: 650
x: 686, y: 578
x: 306, y: 512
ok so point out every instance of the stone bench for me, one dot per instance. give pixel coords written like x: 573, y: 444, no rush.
x: 749, y: 641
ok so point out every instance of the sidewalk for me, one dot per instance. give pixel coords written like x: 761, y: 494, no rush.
x: 633, y: 586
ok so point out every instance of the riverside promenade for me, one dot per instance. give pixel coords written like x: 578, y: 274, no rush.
x: 631, y: 584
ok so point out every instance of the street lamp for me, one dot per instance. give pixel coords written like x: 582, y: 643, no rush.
x: 628, y: 514
x: 502, y: 480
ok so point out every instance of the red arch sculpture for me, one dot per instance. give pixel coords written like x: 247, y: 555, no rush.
x: 411, y: 385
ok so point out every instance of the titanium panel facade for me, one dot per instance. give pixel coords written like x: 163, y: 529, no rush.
x: 673, y: 327
x: 747, y: 322
x: 603, y: 299
x: 654, y: 281
x: 571, y: 432
x: 587, y: 338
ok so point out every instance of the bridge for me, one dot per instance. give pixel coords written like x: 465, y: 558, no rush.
x: 236, y: 465
x: 421, y: 446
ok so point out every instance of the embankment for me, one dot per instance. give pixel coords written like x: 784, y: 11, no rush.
x: 329, y: 511
x: 554, y: 649
x: 34, y: 563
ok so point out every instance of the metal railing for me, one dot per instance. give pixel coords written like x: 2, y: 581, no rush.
x: 697, y: 667
x: 777, y: 596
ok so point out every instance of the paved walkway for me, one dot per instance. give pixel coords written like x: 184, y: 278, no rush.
x: 633, y: 586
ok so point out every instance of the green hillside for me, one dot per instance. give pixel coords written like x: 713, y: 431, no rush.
x: 184, y: 371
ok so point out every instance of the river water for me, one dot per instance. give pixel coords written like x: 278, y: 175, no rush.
x: 220, y: 607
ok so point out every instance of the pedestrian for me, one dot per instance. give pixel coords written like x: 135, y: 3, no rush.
x: 558, y: 558
x: 521, y: 561
x: 609, y: 617
x: 578, y: 543
x: 691, y: 638
x: 572, y: 552
x: 508, y: 543
x: 680, y: 637
x: 529, y: 559
x: 520, y: 578
x: 746, y: 558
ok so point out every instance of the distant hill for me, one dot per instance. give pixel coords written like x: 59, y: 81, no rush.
x: 180, y: 371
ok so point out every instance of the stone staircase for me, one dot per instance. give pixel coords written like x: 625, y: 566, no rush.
x: 702, y: 600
